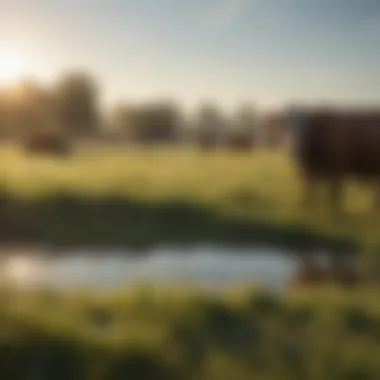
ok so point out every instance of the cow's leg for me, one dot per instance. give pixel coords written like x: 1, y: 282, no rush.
x: 309, y: 192
x: 309, y: 188
x: 376, y: 198
x: 336, y: 187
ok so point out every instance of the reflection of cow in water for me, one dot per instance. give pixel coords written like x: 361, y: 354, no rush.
x: 334, y: 144
x: 335, y: 268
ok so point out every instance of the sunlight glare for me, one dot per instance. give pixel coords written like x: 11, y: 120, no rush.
x: 13, y: 66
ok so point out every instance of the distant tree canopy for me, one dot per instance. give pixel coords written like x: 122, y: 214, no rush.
x: 209, y: 118
x: 244, y: 118
x: 76, y: 102
x: 153, y: 122
x: 121, y: 118
x: 34, y: 110
x: 72, y: 105
x: 24, y: 108
x: 210, y: 124
x: 5, y: 115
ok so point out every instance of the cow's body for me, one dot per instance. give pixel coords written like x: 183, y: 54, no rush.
x: 48, y: 143
x: 335, y: 144
x: 239, y: 142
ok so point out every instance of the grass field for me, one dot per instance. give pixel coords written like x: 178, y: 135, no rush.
x: 118, y: 195
x: 125, y: 195
x: 156, y: 333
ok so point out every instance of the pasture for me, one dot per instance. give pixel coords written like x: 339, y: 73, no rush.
x: 161, y: 333
x: 124, y: 195
x: 127, y: 195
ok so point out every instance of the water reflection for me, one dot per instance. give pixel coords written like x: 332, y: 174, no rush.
x: 201, y: 266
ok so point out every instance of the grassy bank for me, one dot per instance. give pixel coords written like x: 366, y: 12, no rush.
x: 129, y: 197
x: 157, y: 333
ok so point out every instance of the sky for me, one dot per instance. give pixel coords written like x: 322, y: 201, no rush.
x: 268, y: 52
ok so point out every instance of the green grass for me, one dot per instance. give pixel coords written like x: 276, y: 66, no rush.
x: 114, y: 195
x: 129, y: 196
x: 162, y: 333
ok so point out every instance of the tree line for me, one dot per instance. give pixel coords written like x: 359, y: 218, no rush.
x: 71, y: 105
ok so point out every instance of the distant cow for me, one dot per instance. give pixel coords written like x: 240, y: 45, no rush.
x: 239, y: 142
x: 333, y: 144
x: 48, y: 144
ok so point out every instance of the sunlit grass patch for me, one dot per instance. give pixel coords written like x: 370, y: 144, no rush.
x: 262, y: 187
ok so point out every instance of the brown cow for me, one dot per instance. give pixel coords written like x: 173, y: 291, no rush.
x: 239, y: 142
x: 334, y: 144
x: 48, y: 144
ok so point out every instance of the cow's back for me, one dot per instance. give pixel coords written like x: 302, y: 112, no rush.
x: 316, y: 142
x: 336, y: 143
x: 363, y: 137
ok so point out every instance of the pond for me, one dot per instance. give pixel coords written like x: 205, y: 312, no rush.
x: 204, y: 266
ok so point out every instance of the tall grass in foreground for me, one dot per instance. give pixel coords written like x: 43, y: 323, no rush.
x: 157, y: 333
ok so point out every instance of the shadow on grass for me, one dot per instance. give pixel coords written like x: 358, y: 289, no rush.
x: 73, y: 220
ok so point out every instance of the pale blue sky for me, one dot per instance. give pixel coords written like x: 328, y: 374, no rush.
x: 265, y: 51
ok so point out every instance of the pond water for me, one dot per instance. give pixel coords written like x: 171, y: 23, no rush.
x: 205, y: 266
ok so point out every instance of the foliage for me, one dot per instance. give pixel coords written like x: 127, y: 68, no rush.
x: 209, y: 123
x: 189, y: 334
x: 26, y: 109
x: 73, y: 106
x: 76, y: 102
x: 154, y: 122
x: 245, y: 118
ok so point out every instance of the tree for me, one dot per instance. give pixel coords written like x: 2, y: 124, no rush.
x: 76, y: 102
x: 209, y: 116
x: 120, y: 118
x: 25, y: 108
x: 5, y: 126
x: 209, y: 124
x: 153, y: 122
x: 244, y: 119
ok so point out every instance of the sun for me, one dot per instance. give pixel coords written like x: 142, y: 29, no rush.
x: 13, y: 66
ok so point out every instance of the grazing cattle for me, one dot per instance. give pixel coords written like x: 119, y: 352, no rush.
x: 334, y: 144
x: 239, y: 142
x: 48, y: 143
